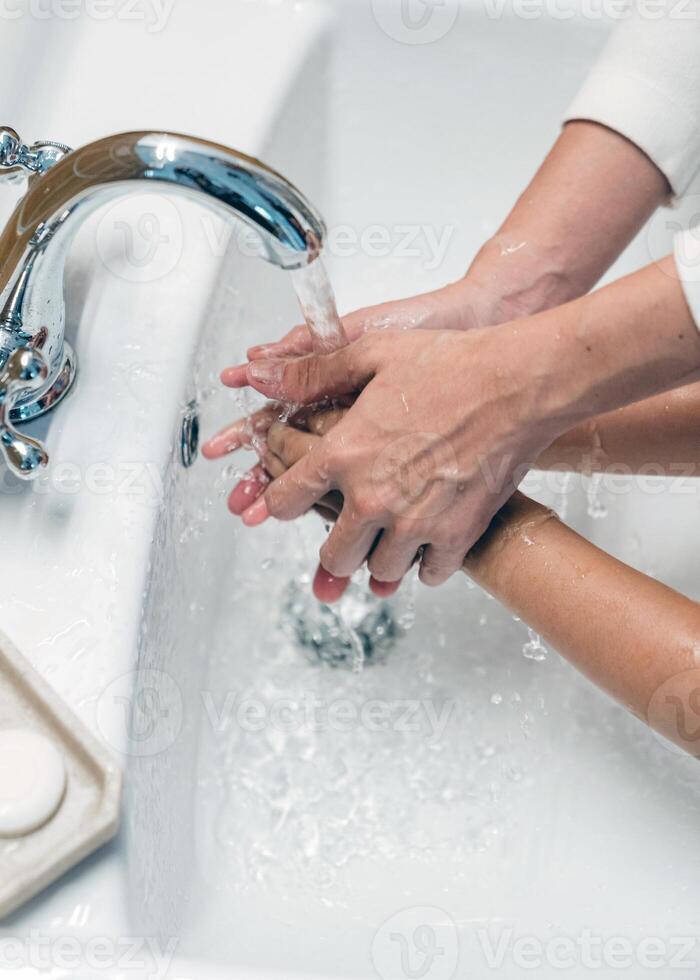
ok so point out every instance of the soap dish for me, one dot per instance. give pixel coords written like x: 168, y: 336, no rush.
x: 60, y: 797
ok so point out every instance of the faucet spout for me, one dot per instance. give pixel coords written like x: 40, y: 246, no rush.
x: 34, y: 244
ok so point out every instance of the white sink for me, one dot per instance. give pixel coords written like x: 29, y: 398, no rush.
x: 527, y: 806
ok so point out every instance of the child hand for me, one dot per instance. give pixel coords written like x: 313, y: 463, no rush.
x: 280, y: 445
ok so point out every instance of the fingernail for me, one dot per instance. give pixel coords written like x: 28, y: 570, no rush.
x: 256, y: 514
x: 266, y: 372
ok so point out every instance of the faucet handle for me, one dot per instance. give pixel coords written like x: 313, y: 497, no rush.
x: 24, y: 370
x: 18, y: 160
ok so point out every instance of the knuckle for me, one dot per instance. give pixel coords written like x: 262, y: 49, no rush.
x: 331, y: 455
x: 431, y: 576
x: 371, y: 341
x: 449, y: 543
x: 406, y: 529
x: 304, y: 374
x: 365, y: 506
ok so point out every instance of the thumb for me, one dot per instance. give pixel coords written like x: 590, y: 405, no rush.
x: 312, y: 378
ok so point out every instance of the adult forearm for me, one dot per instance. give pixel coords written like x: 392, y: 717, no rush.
x: 593, y: 193
x: 626, y: 632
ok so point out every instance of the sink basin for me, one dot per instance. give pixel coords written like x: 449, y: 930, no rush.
x: 468, y: 805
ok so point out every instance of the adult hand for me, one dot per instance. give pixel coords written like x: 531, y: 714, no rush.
x: 287, y: 444
x: 479, y: 300
x: 445, y: 426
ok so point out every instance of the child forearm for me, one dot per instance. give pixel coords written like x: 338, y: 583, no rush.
x: 626, y: 632
x: 657, y: 435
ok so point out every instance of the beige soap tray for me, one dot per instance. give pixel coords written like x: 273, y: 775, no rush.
x: 59, y: 788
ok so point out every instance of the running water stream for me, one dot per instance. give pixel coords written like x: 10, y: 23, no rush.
x: 358, y: 629
x: 317, y: 302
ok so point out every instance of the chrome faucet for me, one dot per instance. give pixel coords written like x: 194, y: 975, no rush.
x: 65, y: 186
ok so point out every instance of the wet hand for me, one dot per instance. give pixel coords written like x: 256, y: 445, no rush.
x: 463, y: 305
x: 280, y: 445
x: 445, y: 427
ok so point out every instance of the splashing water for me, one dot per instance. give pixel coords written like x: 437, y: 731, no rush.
x: 335, y: 636
x: 534, y: 649
x: 596, y: 506
x: 358, y: 630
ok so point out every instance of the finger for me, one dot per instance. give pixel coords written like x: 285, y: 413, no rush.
x: 392, y: 556
x: 328, y: 588
x: 348, y: 545
x: 290, y: 444
x: 256, y: 514
x: 439, y: 564
x: 235, y: 376
x: 318, y: 376
x: 241, y: 434
x: 328, y: 507
x: 296, y: 343
x: 247, y: 491
x: 297, y: 490
x: 383, y: 590
x: 426, y: 312
x: 274, y: 466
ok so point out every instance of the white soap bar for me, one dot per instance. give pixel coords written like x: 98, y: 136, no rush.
x: 32, y: 781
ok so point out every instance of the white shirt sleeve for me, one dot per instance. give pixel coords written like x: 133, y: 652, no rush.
x: 646, y: 86
x: 686, y: 248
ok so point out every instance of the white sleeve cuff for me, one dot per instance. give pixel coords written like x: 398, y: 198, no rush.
x: 646, y: 86
x: 686, y: 249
